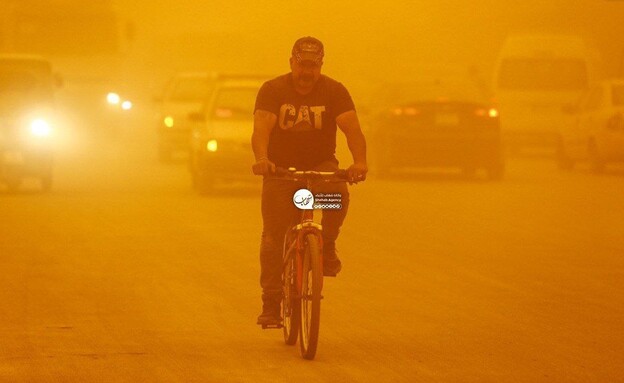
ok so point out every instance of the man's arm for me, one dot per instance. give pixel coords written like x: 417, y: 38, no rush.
x: 350, y: 125
x: 263, y: 125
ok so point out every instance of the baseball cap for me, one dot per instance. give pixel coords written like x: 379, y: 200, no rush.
x: 308, y: 49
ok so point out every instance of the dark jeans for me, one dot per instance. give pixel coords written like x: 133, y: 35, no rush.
x: 279, y: 214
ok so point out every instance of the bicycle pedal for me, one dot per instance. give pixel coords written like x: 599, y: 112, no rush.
x: 272, y: 326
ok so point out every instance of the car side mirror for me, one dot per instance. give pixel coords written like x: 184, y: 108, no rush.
x: 570, y: 109
x: 197, y: 117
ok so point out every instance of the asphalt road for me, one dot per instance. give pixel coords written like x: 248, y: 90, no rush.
x: 123, y: 274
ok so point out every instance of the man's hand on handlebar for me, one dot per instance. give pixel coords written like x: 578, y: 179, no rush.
x: 356, y: 173
x: 263, y: 167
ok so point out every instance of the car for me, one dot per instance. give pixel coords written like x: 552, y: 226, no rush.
x: 534, y: 76
x: 597, y: 134
x: 220, y: 143
x: 184, y: 93
x: 436, y: 124
x: 27, y: 87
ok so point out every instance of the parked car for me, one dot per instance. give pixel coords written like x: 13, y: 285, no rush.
x: 184, y: 93
x: 26, y: 112
x: 437, y: 124
x: 220, y: 144
x: 597, y: 134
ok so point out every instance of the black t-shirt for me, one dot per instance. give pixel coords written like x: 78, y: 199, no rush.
x: 305, y: 131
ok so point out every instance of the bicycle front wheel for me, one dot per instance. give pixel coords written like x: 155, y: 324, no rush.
x: 291, y: 310
x: 311, y: 286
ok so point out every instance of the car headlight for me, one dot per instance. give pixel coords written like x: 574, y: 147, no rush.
x: 168, y: 122
x: 212, y: 146
x: 40, y: 128
x: 113, y: 98
x: 126, y: 105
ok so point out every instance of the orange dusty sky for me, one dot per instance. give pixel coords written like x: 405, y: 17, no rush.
x: 366, y: 41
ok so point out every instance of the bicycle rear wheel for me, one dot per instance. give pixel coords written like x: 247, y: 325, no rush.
x: 291, y: 310
x: 311, y: 286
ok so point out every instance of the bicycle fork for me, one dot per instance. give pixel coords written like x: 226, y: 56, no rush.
x: 304, y: 229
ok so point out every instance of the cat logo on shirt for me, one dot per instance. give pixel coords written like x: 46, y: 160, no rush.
x: 306, y: 118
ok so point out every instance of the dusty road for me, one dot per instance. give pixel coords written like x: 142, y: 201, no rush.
x: 123, y: 274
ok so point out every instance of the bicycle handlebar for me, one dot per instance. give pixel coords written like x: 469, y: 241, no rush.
x: 301, y: 175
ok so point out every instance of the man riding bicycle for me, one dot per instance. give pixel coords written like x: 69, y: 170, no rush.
x: 295, y: 122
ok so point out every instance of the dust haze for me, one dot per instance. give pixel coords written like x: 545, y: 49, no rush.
x: 367, y: 42
x: 123, y: 260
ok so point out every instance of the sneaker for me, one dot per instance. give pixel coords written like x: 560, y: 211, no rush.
x: 331, y: 262
x: 271, y: 315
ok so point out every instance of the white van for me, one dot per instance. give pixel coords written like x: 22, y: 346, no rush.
x: 534, y: 77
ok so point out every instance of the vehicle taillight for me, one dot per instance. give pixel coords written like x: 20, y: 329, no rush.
x: 224, y: 113
x: 482, y: 112
x: 406, y: 111
x: 411, y: 111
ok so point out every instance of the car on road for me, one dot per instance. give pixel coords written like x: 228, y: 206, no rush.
x: 220, y: 143
x: 184, y: 93
x: 27, y: 87
x: 433, y: 124
x: 597, y: 134
x: 534, y: 76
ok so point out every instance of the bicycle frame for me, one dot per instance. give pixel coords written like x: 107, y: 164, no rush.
x: 296, y: 246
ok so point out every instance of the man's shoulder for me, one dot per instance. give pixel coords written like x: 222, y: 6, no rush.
x: 330, y: 83
x: 278, y: 82
x: 328, y: 80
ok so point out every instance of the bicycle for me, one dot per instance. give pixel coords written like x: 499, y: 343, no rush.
x: 302, y: 276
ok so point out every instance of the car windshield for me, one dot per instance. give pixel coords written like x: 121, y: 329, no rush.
x: 235, y: 103
x: 17, y: 82
x: 543, y: 74
x: 24, y: 83
x: 191, y: 89
x: 618, y: 95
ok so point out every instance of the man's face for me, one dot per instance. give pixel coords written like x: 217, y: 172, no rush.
x: 305, y: 73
